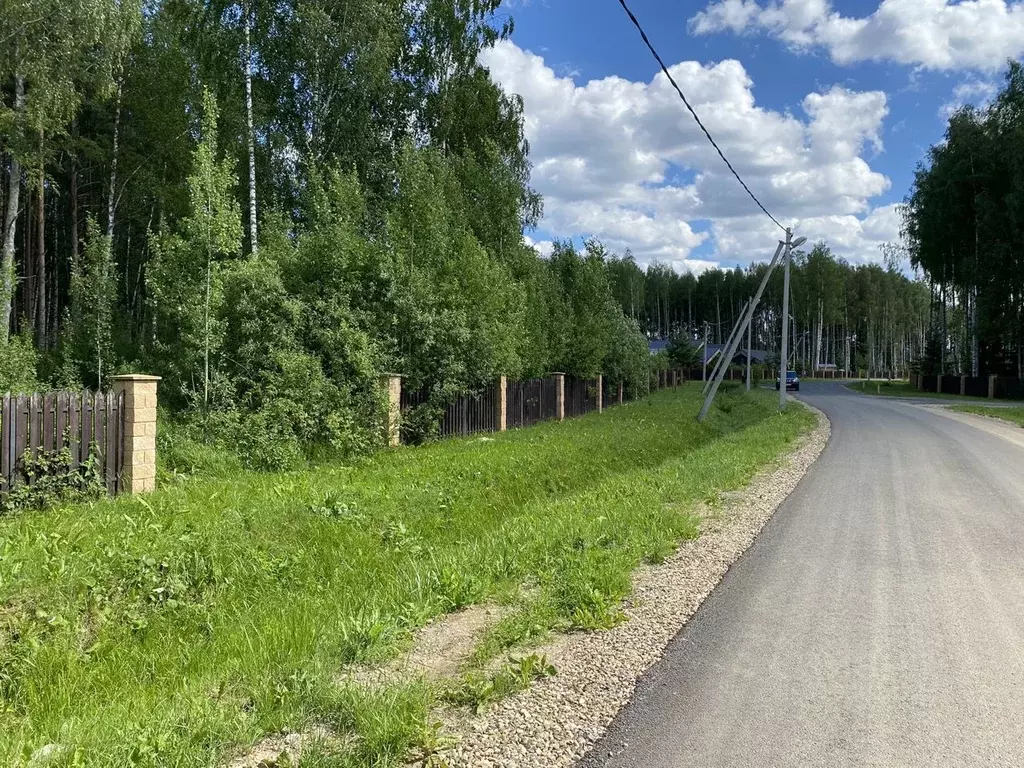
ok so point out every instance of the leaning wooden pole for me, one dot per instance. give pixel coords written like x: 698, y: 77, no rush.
x: 748, y: 316
x: 732, y: 335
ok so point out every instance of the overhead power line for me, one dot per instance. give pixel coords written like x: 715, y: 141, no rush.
x: 692, y: 112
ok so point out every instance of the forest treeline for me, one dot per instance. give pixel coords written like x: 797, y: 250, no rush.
x: 270, y: 203
x: 867, y: 316
x: 964, y: 227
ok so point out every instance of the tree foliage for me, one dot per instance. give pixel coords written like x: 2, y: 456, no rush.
x: 391, y: 179
x: 965, y: 231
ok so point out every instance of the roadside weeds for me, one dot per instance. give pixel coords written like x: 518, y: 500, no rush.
x: 554, y: 722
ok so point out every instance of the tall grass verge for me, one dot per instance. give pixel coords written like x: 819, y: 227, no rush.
x: 160, y: 631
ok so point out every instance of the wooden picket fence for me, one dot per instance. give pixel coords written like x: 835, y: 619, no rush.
x: 89, y: 424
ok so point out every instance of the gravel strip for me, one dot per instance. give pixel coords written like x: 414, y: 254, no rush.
x: 555, y: 721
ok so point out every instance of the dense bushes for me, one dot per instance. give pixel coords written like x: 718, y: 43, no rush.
x: 376, y: 224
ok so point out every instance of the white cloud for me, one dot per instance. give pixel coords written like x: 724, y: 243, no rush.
x: 977, y: 92
x: 544, y: 247
x: 935, y: 34
x: 625, y: 162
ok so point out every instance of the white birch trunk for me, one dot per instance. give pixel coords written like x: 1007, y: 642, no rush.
x: 250, y: 135
x: 10, y: 223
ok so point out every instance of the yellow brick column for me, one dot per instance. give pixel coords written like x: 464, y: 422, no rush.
x: 600, y: 393
x: 391, y: 383
x: 501, y: 404
x: 138, y: 473
x: 559, y: 396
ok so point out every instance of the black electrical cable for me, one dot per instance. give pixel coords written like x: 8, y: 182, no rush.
x: 687, y: 103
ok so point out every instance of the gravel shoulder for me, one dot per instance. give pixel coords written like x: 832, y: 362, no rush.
x: 991, y: 424
x: 555, y: 721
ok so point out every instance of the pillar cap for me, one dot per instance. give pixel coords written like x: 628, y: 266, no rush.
x: 390, y: 375
x: 557, y: 373
x: 135, y: 377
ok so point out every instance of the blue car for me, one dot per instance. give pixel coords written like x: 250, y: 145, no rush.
x: 792, y: 382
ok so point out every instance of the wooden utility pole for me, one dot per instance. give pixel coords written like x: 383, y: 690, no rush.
x: 742, y: 327
x: 749, y: 346
x: 704, y: 353
x: 784, y: 352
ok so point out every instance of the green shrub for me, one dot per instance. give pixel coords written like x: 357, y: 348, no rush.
x: 18, y: 365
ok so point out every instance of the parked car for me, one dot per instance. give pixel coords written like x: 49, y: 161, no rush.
x: 792, y: 382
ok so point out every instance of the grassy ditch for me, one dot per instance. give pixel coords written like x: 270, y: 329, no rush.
x: 898, y: 389
x: 160, y: 631
x: 1014, y: 415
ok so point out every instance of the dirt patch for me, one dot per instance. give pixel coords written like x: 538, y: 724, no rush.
x: 438, y: 650
x: 554, y: 722
x: 283, y: 750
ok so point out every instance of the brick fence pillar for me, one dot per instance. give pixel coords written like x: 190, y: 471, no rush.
x: 938, y: 384
x: 620, y: 392
x: 138, y: 474
x: 963, y: 385
x: 391, y: 383
x: 559, y: 395
x: 992, y: 386
x: 600, y: 393
x: 501, y: 404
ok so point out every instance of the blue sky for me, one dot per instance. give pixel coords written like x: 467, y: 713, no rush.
x: 887, y: 76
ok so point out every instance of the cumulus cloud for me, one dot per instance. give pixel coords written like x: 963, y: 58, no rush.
x: 935, y: 34
x: 980, y: 93
x: 544, y: 247
x: 624, y: 161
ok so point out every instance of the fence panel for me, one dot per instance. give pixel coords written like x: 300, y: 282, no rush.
x: 580, y: 396
x: 6, y: 441
x: 470, y: 414
x: 976, y: 386
x: 89, y: 425
x: 20, y: 441
x: 1009, y: 388
x: 929, y: 383
x: 74, y: 428
x: 86, y: 421
x: 530, y: 401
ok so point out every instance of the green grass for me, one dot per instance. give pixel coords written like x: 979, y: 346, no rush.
x: 1013, y: 415
x: 159, y: 631
x: 898, y: 389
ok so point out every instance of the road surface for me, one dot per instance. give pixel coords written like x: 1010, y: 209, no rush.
x: 878, y: 620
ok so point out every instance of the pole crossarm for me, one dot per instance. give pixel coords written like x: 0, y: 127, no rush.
x: 747, y: 317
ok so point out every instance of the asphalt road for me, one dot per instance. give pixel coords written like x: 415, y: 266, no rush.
x: 878, y: 620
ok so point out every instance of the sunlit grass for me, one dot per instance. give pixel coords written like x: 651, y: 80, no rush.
x: 900, y: 389
x: 161, y: 630
x: 1014, y: 415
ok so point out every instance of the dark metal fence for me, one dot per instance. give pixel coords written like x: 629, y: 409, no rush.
x: 527, y: 402
x: 1003, y: 387
x: 90, y: 425
x: 530, y: 401
x: 465, y: 415
x: 470, y: 414
x: 976, y: 386
x: 1009, y: 388
x: 580, y: 396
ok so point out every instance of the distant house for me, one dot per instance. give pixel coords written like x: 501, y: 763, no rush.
x: 757, y: 356
x: 712, y: 351
x: 657, y: 345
